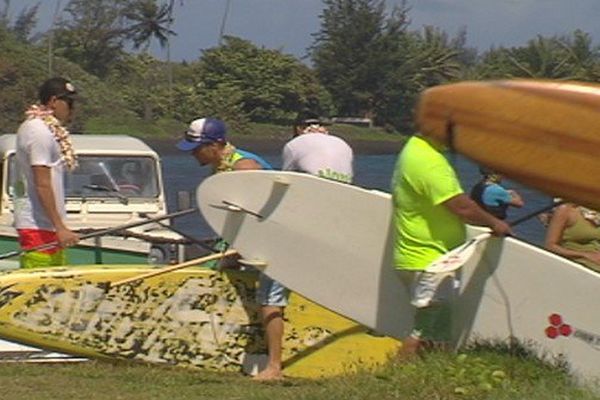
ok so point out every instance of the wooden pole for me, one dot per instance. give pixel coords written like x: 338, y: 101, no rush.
x: 175, y: 267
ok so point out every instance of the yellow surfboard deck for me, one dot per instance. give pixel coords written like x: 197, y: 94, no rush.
x: 544, y: 134
x: 189, y: 318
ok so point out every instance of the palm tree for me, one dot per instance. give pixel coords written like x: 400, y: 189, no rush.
x: 152, y: 21
x: 149, y: 21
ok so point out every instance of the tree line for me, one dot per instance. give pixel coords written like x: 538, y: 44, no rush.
x: 364, y: 61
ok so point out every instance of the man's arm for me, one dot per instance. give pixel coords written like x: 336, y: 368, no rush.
x: 43, y: 185
x: 515, y: 199
x: 246, y: 164
x: 497, y: 195
x: 468, y: 211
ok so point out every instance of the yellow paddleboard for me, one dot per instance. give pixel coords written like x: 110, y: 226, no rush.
x: 544, y: 134
x: 189, y: 318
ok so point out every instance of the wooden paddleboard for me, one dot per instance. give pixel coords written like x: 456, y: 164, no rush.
x: 513, y: 289
x: 543, y: 134
x: 327, y: 240
x: 188, y: 318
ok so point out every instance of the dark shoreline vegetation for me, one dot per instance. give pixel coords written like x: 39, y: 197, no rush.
x: 275, y: 145
x: 266, y: 139
x: 374, y: 74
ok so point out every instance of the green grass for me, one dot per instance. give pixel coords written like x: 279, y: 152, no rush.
x: 166, y: 128
x: 478, y: 374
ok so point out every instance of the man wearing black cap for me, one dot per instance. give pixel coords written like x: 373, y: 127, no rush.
x: 314, y: 151
x: 206, y: 140
x: 43, y: 151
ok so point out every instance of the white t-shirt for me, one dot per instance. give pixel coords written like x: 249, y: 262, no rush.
x: 319, y: 154
x: 36, y: 146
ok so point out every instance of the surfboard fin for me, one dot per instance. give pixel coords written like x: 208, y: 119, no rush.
x: 229, y: 206
x: 282, y: 180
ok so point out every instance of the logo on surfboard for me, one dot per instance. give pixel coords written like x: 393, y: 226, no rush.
x: 558, y: 327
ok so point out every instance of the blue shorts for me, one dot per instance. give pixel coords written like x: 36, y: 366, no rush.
x: 271, y: 292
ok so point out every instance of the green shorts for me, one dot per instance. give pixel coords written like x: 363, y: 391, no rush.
x: 38, y: 259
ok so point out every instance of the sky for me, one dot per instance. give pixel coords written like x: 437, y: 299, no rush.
x: 287, y: 25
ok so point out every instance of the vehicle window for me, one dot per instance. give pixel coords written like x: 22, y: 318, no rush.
x: 108, y: 176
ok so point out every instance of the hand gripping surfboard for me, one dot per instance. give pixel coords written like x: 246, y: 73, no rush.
x: 544, y: 134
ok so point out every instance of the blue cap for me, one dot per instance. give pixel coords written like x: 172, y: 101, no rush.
x: 202, y: 131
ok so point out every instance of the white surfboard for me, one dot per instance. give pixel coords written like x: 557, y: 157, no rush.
x: 513, y: 289
x: 332, y: 243
x: 11, y: 352
x: 326, y: 240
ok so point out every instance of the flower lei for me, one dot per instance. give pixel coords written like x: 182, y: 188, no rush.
x: 61, y: 134
x: 227, y: 160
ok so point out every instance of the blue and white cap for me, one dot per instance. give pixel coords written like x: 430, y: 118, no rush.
x: 202, y: 131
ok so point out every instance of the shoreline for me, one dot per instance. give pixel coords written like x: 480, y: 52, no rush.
x: 272, y: 146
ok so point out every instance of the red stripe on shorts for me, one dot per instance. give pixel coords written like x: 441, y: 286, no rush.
x: 30, y: 238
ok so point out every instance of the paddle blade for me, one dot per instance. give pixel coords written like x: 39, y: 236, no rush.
x: 457, y: 257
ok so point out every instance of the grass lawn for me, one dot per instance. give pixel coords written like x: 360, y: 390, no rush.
x: 476, y: 374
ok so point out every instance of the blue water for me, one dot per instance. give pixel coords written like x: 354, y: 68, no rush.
x: 182, y: 172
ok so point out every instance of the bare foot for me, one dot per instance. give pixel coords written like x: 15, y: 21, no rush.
x: 268, y: 374
x: 409, y: 350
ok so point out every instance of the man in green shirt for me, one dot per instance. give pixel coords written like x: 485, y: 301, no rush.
x: 430, y: 212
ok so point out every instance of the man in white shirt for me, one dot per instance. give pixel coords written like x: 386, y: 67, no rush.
x: 314, y: 151
x: 43, y: 152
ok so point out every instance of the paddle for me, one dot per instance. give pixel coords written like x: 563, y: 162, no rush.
x: 172, y: 268
x: 102, y: 232
x: 192, y: 239
x: 456, y: 258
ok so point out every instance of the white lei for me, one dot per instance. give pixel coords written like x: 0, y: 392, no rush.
x: 61, y: 134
